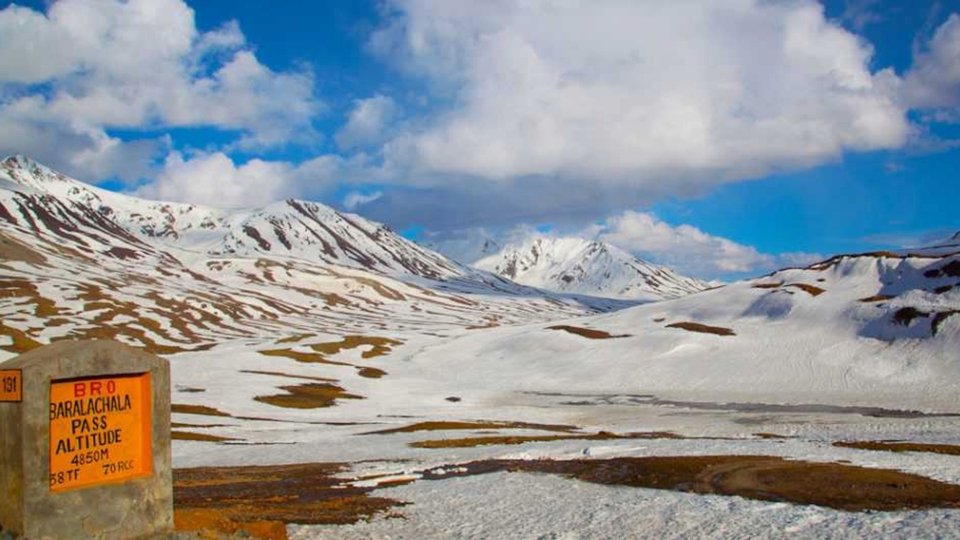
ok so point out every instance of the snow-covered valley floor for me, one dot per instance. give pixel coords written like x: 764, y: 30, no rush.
x: 228, y: 379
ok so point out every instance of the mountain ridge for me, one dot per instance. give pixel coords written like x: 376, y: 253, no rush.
x: 576, y: 265
x: 82, y: 262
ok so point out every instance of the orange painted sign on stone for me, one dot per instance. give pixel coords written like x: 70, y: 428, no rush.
x: 11, y: 386
x: 100, y: 431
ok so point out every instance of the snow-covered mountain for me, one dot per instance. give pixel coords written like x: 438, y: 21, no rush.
x: 292, y: 228
x: 78, y: 262
x: 879, y: 329
x: 575, y: 265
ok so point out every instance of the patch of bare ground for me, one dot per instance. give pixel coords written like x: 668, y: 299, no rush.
x: 20, y: 342
x: 490, y: 321
x: 379, y: 346
x: 203, y: 410
x: 294, y: 338
x: 469, y: 442
x: 875, y: 298
x: 691, y: 326
x: 776, y: 285
x: 588, y: 333
x: 812, y: 290
x: 899, y: 446
x: 308, y: 396
x: 261, y: 501
x: 12, y: 250
x: 766, y: 478
x: 22, y: 288
x: 448, y: 425
x: 305, y: 357
x: 765, y: 435
x: 941, y: 316
x: 133, y: 334
x: 905, y: 316
x: 951, y: 269
x: 200, y: 437
x: 370, y: 372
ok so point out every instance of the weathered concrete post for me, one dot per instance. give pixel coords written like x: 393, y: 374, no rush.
x: 84, y: 442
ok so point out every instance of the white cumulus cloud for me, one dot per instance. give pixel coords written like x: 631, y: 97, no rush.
x: 633, y: 92
x: 934, y: 79
x: 687, y: 248
x: 367, y: 123
x: 136, y: 64
x: 216, y: 179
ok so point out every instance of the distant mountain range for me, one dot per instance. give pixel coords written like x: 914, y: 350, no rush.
x: 575, y: 265
x: 82, y: 262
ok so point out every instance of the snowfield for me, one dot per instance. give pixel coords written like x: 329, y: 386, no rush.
x: 295, y: 333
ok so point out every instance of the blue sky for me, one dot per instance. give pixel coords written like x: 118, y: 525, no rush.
x: 723, y: 138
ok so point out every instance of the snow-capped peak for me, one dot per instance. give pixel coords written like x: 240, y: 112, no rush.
x: 303, y: 230
x: 576, y: 265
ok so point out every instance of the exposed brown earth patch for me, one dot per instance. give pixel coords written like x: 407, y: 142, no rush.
x: 691, y: 326
x: 379, y: 346
x: 12, y: 250
x: 768, y: 285
x: 766, y: 478
x: 469, y: 442
x: 812, y: 290
x: 122, y: 253
x: 305, y: 357
x: 203, y: 410
x: 261, y: 501
x: 765, y: 435
x: 588, y: 333
x: 897, y: 446
x: 875, y: 298
x: 951, y: 269
x: 371, y: 372
x: 940, y: 317
x: 20, y: 341
x: 21, y: 288
x: 294, y: 338
x: 905, y: 316
x: 308, y: 396
x: 490, y: 321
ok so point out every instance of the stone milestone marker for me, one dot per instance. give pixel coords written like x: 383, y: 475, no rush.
x: 84, y: 442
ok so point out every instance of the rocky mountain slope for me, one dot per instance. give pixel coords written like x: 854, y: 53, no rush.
x: 81, y: 262
x: 581, y: 266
